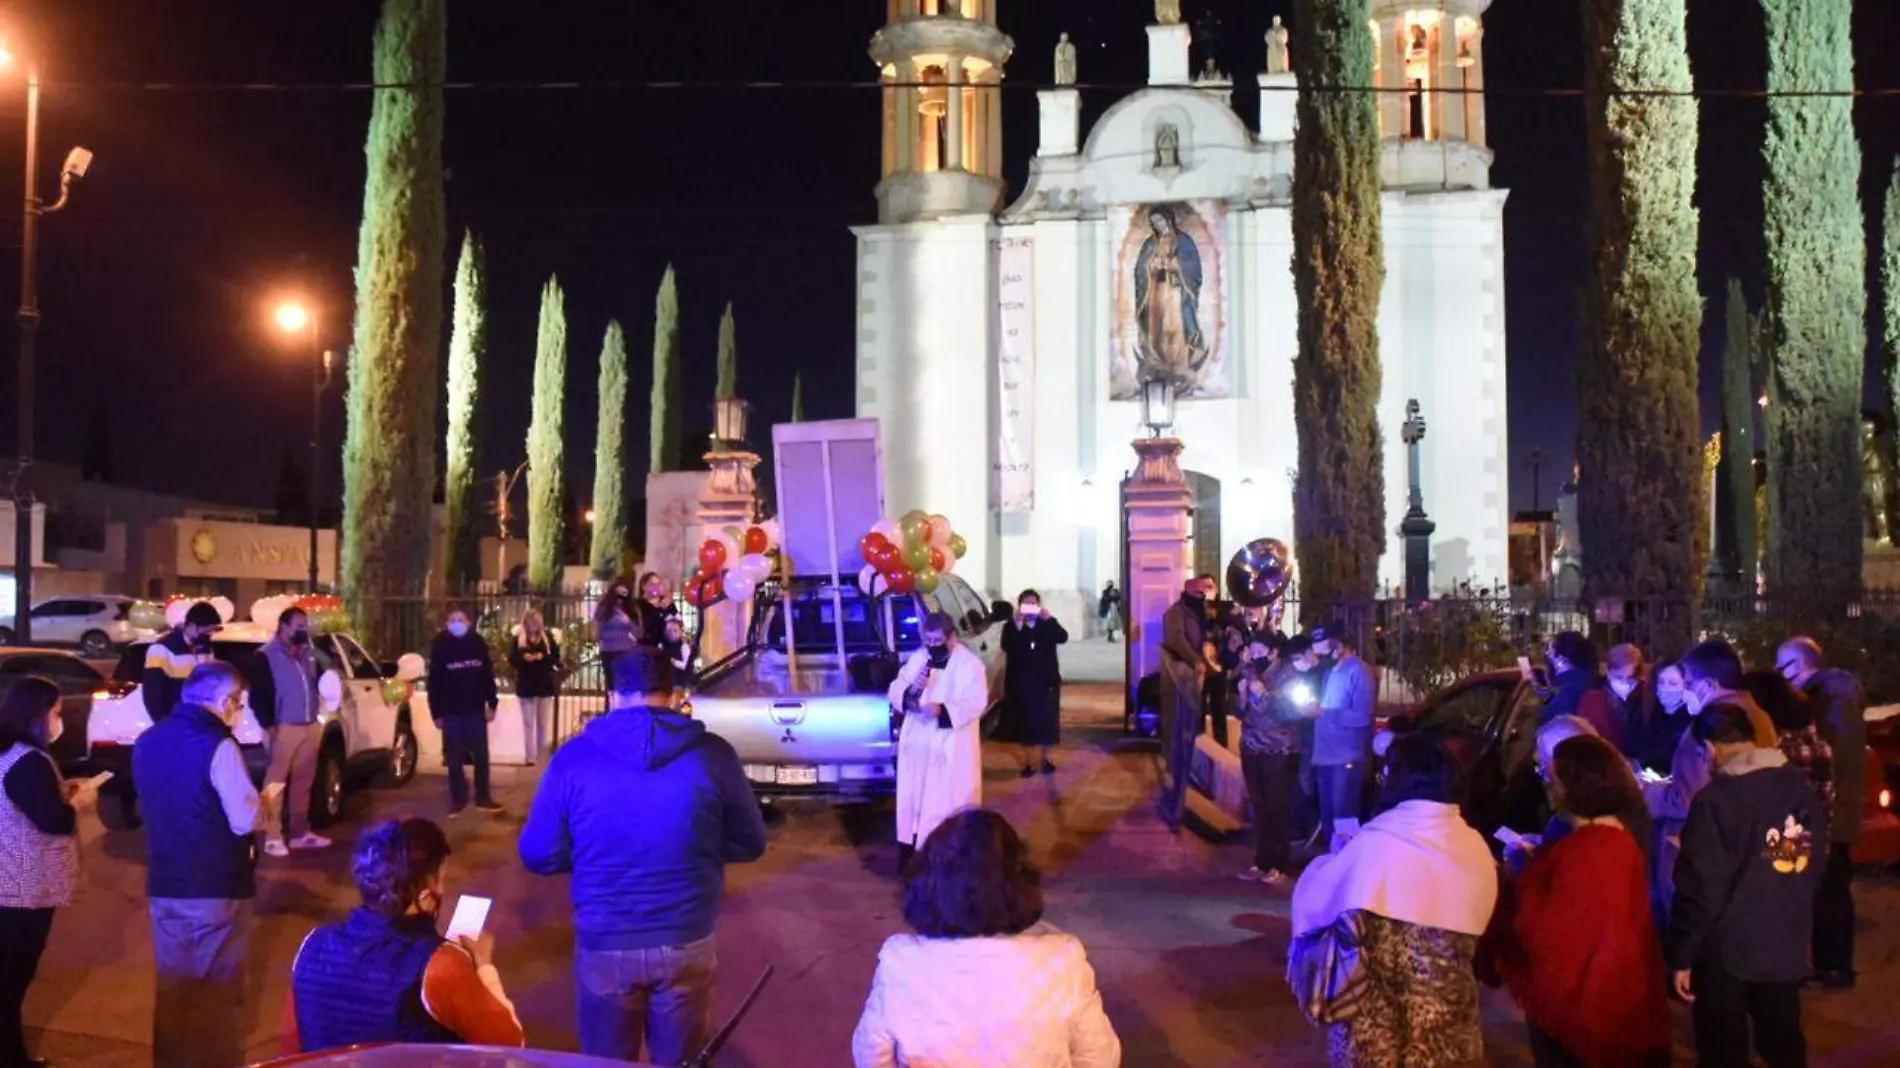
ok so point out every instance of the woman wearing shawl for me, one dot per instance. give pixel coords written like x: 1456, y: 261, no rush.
x: 1414, y: 888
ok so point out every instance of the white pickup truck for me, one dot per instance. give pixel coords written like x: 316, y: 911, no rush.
x: 366, y: 736
x: 826, y: 729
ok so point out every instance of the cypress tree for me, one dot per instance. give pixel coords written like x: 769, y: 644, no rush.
x: 728, y: 383
x: 545, y: 452
x: 1817, y: 258
x: 468, y: 344
x: 1641, y: 495
x: 1338, y: 272
x: 1735, y: 489
x: 798, y: 397
x: 1890, y: 290
x: 388, y: 451
x: 610, y: 458
x: 664, y: 437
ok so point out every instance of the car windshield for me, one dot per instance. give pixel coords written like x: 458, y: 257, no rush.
x: 815, y: 615
x: 132, y: 662
x: 1469, y: 707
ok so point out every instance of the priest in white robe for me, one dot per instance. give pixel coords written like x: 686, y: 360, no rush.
x: 942, y: 692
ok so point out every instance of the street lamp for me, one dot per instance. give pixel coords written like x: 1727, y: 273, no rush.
x: 1157, y: 406
x: 294, y: 317
x: 78, y: 161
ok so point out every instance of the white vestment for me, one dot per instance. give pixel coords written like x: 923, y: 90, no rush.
x: 939, y: 770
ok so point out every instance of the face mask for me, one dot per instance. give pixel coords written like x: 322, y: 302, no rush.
x: 1622, y: 686
x: 458, y: 629
x: 202, y: 643
x: 620, y: 591
x: 300, y: 637
x: 429, y: 903
x: 1671, y: 698
x: 55, y: 726
x: 233, y: 711
x: 939, y: 655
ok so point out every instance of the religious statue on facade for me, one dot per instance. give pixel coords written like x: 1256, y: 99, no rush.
x: 950, y: 9
x: 1167, y: 146
x: 1168, y: 280
x: 1873, y: 482
x: 1065, y: 61
x: 1278, y: 61
x: 1167, y: 12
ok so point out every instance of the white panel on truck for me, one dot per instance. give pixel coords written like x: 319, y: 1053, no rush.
x: 830, y: 492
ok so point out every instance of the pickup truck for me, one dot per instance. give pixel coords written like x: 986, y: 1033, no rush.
x: 811, y: 716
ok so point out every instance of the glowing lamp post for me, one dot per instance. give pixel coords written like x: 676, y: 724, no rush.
x: 294, y: 319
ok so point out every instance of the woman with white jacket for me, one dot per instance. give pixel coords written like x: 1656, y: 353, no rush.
x: 983, y: 981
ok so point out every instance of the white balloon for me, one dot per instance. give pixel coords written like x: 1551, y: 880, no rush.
x: 756, y: 566
x: 175, y: 612
x: 411, y: 667
x: 892, y: 532
x: 738, y: 585
x: 879, y: 584
x: 226, y: 610
x: 772, y: 533
x: 949, y: 563
x: 330, y: 689
x: 731, y: 544
x: 865, y: 578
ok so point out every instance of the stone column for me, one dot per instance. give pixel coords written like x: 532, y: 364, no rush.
x: 1061, y: 122
x: 1160, y: 507
x: 906, y: 116
x: 1451, y: 78
x: 731, y: 498
x: 1168, y: 48
x: 1279, y: 107
x: 1392, y: 110
x: 953, y: 114
x: 993, y: 122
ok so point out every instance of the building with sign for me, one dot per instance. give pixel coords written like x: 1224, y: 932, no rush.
x: 1005, y: 348
x: 242, y: 561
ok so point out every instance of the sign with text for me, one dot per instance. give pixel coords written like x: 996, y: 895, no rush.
x: 1014, y: 479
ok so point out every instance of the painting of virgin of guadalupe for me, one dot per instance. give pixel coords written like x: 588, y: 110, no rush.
x: 1169, y: 321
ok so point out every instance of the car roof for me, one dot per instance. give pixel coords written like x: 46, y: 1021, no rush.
x: 12, y: 651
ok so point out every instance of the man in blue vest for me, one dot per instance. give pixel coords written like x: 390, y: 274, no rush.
x: 645, y: 808
x: 200, y: 811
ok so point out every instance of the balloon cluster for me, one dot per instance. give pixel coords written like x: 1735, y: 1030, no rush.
x: 179, y: 604
x: 326, y: 613
x: 732, y: 563
x: 410, y: 668
x: 909, y: 554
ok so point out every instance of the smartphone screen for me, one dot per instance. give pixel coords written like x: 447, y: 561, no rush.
x: 471, y: 913
x: 1508, y: 836
x: 1524, y: 668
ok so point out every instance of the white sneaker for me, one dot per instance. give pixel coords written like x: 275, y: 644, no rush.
x: 309, y: 840
x: 275, y: 847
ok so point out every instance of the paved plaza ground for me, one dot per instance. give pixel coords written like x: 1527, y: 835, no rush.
x: 1190, y: 959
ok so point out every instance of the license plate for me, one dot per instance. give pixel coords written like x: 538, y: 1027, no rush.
x: 760, y: 773
x: 798, y: 776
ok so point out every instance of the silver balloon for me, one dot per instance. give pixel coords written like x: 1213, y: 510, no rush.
x: 1258, y: 575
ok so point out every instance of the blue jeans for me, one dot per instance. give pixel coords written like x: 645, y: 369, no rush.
x: 1342, y: 788
x: 465, y: 741
x: 663, y: 995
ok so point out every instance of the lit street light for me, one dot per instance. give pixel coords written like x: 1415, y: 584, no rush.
x: 78, y: 161
x: 295, y: 319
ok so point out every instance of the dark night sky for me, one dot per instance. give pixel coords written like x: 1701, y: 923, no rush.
x: 205, y: 200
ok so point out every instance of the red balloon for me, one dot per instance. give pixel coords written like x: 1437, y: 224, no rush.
x: 695, y: 589
x: 873, y: 546
x: 712, y: 556
x: 755, y: 540
x: 714, y: 588
x: 902, y: 580
x: 936, y: 560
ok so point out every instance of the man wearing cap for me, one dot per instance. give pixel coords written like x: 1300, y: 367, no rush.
x: 644, y: 809
x: 171, y: 659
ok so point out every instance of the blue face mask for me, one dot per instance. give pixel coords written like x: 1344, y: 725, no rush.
x: 458, y: 629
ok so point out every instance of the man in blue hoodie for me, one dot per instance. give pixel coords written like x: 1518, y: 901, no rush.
x: 645, y: 808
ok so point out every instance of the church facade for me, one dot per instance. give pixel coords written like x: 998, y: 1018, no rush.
x: 1005, y: 348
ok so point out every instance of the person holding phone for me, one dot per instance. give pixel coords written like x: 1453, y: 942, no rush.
x: 942, y: 692
x: 39, y: 846
x: 1032, y: 684
x: 384, y: 975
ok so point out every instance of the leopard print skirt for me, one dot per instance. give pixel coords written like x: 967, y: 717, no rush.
x: 1421, y: 1002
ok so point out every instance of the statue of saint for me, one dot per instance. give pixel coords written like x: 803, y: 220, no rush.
x: 1873, y: 482
x: 1065, y: 61
x: 1278, y: 62
x: 1167, y: 146
x: 1167, y: 300
x: 1167, y: 12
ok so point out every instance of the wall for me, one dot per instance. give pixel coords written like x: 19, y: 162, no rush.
x: 673, y: 530
x: 7, y: 548
x: 243, y: 561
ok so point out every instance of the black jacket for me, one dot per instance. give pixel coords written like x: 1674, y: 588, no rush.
x: 461, y: 676
x: 537, y: 665
x: 1752, y: 854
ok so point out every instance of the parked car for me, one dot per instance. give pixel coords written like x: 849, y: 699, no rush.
x: 77, y: 680
x: 1489, y: 721
x: 95, y: 625
x: 825, y: 727
x: 366, y: 737
x: 397, y: 1056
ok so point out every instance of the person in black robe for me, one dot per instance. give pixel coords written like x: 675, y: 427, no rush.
x: 1032, y: 683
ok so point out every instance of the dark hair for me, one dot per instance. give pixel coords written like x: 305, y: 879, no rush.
x: 1723, y: 723
x: 1418, y: 767
x: 972, y: 879
x: 1298, y: 645
x: 612, y: 601
x: 394, y: 862
x: 1576, y: 648
x: 642, y: 671
x: 1026, y: 594
x: 289, y: 616
x: 24, y: 708
x: 1715, y: 660
x: 1596, y: 781
x: 938, y: 623
x: 1786, y: 706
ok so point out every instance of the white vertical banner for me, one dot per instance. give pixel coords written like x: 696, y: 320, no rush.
x: 1013, y: 470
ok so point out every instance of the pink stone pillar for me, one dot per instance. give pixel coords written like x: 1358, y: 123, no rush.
x: 1160, y: 507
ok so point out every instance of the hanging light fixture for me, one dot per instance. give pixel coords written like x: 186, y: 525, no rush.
x: 1157, y: 406
x: 729, y: 421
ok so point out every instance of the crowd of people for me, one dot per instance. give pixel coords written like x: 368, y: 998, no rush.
x: 1681, y: 829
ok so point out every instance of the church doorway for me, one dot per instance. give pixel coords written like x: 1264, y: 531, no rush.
x: 1206, y: 524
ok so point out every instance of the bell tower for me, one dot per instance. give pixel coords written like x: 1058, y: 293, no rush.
x: 941, y: 63
x: 1433, y: 51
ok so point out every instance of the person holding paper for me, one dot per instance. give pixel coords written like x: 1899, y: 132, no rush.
x: 942, y: 692
x: 39, y: 846
x: 1342, y: 738
x: 384, y: 974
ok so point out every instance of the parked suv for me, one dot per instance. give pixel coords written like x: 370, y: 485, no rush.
x: 97, y: 625
x: 367, y: 736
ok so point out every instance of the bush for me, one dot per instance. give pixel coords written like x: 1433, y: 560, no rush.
x: 1433, y: 644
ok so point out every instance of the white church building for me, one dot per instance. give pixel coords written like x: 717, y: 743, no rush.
x: 1004, y: 347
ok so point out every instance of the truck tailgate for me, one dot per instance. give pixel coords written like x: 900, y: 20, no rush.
x: 806, y: 729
